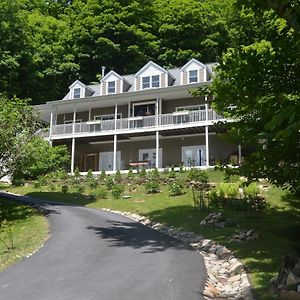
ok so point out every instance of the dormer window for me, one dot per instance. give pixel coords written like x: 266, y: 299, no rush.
x: 150, y: 82
x: 77, y: 93
x: 111, y: 87
x: 193, y: 76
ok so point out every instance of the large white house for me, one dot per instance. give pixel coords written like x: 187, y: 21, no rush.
x: 148, y: 118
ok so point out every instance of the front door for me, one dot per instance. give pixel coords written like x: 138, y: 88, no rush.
x: 193, y: 156
x: 89, y: 162
x: 150, y: 155
x: 106, y: 161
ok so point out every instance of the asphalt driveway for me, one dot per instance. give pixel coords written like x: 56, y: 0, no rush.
x: 94, y: 254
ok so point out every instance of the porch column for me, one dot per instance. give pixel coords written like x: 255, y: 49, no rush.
x: 73, y: 156
x: 115, y: 154
x: 116, y: 115
x: 207, y: 146
x: 51, y: 127
x: 74, y: 120
x: 239, y: 154
x: 90, y: 114
x: 157, y: 150
x: 129, y: 103
x: 205, y: 75
x: 206, y: 130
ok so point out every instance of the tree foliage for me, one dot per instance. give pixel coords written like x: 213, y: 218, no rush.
x: 257, y: 84
x: 41, y: 158
x: 18, y: 123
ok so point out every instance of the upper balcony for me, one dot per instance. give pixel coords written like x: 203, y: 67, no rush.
x: 176, y: 120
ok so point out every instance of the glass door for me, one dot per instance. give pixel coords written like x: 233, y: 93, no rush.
x: 106, y: 161
x: 193, y: 156
x: 150, y: 155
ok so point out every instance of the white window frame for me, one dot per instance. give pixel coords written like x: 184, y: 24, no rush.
x: 71, y: 121
x: 100, y: 117
x: 80, y: 93
x: 151, y: 151
x: 151, y: 82
x: 115, y: 87
x: 189, y: 79
x: 191, y: 107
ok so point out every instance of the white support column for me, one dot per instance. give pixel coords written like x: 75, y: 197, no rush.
x: 157, y: 150
x: 207, y: 146
x: 51, y: 127
x: 129, y: 104
x: 73, y: 156
x: 206, y: 131
x: 74, y: 119
x: 115, y: 154
x: 239, y: 154
x: 90, y: 114
x: 116, y: 115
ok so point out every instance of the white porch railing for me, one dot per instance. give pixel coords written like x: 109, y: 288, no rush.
x: 137, y: 123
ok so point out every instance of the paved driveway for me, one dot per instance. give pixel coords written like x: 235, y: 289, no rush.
x: 94, y: 254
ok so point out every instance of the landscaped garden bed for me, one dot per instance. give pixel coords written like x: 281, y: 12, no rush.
x: 173, y: 198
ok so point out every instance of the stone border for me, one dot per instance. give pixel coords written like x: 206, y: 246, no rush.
x: 227, y: 278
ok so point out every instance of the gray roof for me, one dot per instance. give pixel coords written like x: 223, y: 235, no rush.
x: 173, y: 72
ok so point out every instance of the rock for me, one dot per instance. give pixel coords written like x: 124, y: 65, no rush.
x: 289, y: 295
x: 234, y: 278
x: 292, y: 279
x: 220, y: 225
x: 209, y: 294
x: 236, y: 268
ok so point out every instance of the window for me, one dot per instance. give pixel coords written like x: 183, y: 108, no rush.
x: 193, y: 76
x: 155, y: 81
x: 107, y: 117
x: 111, y: 87
x: 191, y: 108
x: 150, y: 82
x: 146, y: 82
x: 77, y: 92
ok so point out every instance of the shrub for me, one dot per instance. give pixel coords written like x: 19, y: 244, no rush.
x: 64, y: 188
x: 18, y: 181
x: 77, y: 173
x: 52, y: 187
x: 181, y: 169
x: 152, y: 187
x: 118, y: 177
x: 176, y: 188
x: 80, y: 189
x: 89, y: 175
x: 100, y: 193
x: 109, y: 182
x: 213, y: 198
x: 142, y: 172
x: 130, y: 174
x: 117, y: 190
x: 197, y: 175
x: 102, y: 175
x: 40, y: 159
x: 252, y: 190
x: 154, y: 174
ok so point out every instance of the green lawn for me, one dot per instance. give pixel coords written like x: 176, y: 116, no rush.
x: 278, y: 225
x: 26, y: 231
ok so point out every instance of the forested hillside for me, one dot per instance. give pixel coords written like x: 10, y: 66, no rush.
x: 46, y: 44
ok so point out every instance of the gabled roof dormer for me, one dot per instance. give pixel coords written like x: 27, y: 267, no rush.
x: 78, y: 90
x: 152, y: 76
x: 113, y: 83
x: 194, y: 72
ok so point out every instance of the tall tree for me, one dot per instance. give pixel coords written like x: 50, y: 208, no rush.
x: 257, y: 85
x: 18, y: 123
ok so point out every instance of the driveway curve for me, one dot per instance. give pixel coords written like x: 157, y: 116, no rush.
x: 94, y: 254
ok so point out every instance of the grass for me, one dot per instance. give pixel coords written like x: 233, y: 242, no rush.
x: 278, y: 225
x: 25, y: 232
